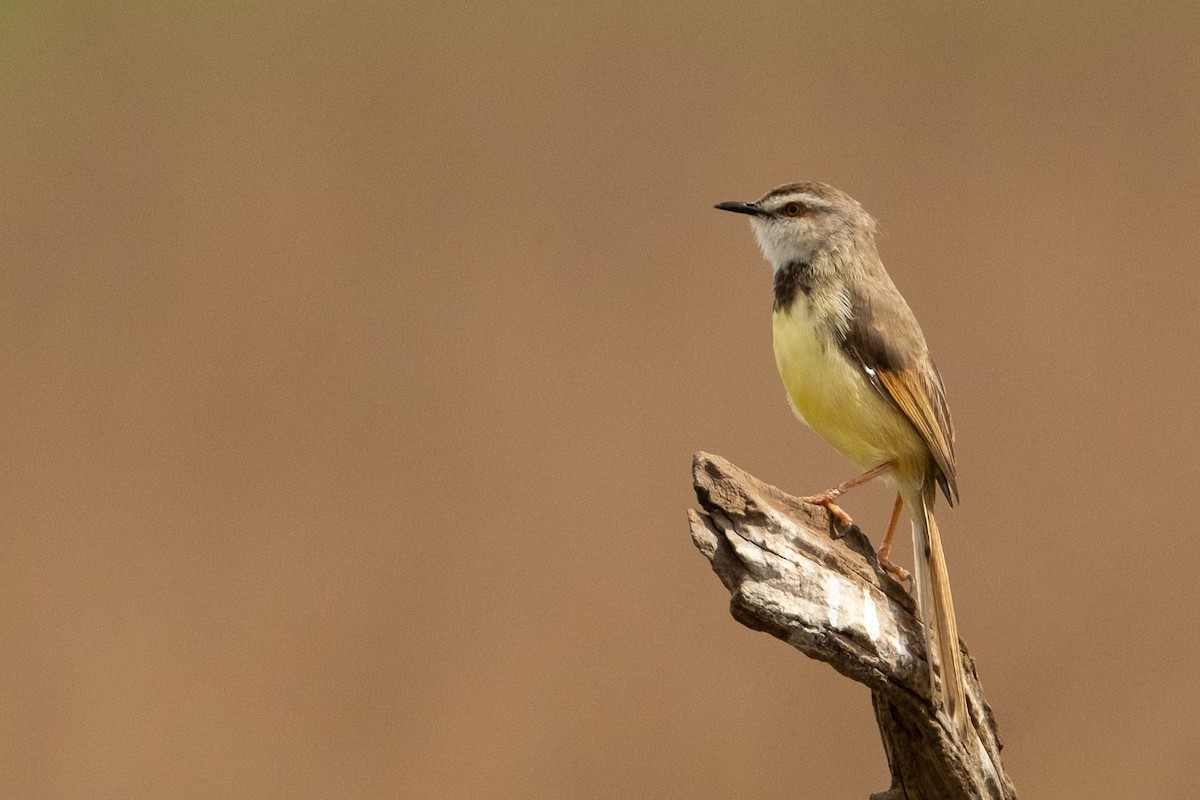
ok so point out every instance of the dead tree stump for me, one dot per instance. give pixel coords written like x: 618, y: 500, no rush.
x: 827, y: 597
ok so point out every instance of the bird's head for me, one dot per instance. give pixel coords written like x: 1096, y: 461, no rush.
x: 799, y: 221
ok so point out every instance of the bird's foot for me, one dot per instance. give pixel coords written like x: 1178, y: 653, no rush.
x: 885, y: 550
x: 840, y: 522
x: 895, y: 570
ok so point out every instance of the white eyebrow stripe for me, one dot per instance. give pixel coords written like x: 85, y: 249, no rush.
x: 810, y: 200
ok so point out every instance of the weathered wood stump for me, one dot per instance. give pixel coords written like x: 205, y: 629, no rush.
x: 825, y: 595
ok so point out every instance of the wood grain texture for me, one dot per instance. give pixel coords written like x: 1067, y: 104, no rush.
x: 826, y: 596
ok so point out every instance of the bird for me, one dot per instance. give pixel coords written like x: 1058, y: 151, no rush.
x: 857, y: 370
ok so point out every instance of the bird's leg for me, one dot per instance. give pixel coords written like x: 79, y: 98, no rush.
x: 825, y: 499
x: 885, y: 549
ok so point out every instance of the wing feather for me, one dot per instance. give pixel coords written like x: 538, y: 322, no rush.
x: 899, y: 367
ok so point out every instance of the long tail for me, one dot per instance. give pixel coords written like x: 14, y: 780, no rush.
x: 937, y: 608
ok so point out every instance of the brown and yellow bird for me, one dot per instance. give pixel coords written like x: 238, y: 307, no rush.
x: 858, y: 372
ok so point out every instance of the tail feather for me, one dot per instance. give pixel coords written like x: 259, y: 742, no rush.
x: 937, y: 610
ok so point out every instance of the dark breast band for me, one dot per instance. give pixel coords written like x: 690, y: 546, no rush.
x: 794, y: 277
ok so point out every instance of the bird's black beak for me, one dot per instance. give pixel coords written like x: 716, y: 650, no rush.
x: 740, y: 207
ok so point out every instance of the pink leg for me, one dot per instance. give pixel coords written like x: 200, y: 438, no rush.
x: 825, y: 499
x: 885, y: 549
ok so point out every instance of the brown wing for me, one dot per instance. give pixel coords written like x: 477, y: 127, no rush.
x: 898, y: 365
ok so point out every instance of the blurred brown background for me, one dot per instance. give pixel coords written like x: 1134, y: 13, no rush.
x: 354, y: 357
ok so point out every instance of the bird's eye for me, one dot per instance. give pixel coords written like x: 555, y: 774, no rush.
x: 792, y: 210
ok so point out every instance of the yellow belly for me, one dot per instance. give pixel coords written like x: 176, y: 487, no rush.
x: 834, y: 397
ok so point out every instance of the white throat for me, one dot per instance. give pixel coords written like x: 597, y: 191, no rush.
x: 777, y: 246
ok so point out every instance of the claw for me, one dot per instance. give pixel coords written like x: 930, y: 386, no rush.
x: 895, y: 570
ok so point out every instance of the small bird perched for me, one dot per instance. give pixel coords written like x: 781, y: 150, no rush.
x: 857, y: 371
